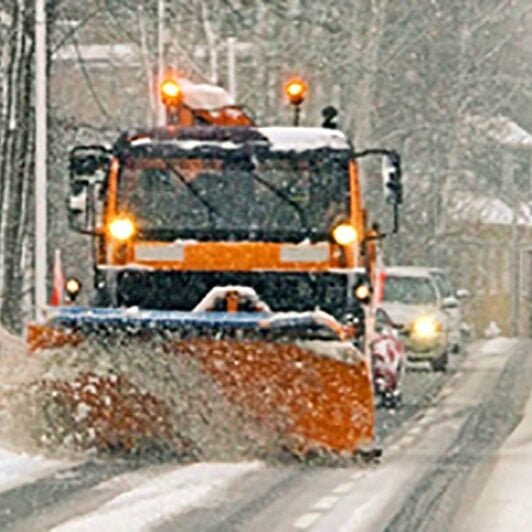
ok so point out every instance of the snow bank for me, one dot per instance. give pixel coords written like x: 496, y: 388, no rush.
x: 18, y: 369
x: 496, y: 346
x: 10, y: 346
x: 17, y: 468
x: 160, y: 499
x: 505, y: 503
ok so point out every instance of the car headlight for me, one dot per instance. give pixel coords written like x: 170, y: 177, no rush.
x: 425, y: 327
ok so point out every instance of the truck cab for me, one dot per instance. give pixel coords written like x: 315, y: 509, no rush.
x: 181, y: 209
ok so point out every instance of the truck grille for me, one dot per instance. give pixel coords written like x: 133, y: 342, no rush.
x: 282, y: 291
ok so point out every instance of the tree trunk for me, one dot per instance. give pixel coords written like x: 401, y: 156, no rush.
x: 16, y: 155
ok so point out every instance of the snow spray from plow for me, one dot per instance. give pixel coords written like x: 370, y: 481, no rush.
x: 213, y: 384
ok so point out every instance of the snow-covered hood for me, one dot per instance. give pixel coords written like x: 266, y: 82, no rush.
x: 404, y: 314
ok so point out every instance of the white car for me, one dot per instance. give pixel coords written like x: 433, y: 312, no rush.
x: 411, y: 299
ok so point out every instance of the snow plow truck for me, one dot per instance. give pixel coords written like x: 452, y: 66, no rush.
x: 244, y: 247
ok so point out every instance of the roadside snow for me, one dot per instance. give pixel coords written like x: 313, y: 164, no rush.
x: 505, y: 503
x: 497, y: 346
x: 17, y: 469
x: 18, y: 370
x: 381, y: 493
x: 160, y: 498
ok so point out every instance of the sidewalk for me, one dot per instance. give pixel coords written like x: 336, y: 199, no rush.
x: 505, y: 501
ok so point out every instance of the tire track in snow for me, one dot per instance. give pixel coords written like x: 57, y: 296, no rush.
x: 436, y: 498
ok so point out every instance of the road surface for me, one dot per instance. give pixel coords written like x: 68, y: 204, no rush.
x: 439, y: 450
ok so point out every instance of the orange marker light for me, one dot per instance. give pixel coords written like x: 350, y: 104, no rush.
x: 296, y: 89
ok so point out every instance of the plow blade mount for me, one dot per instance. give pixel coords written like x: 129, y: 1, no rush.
x: 292, y: 373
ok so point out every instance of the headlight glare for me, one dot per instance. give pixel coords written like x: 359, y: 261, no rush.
x: 122, y: 229
x: 425, y: 327
x: 344, y: 234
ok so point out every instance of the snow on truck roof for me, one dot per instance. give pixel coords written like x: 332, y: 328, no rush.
x: 277, y: 139
x: 205, y: 96
x: 304, y: 138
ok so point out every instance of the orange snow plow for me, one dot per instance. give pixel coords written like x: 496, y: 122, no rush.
x: 265, y: 227
x: 296, y: 374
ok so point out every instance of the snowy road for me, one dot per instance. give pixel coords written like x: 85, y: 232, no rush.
x: 440, y: 441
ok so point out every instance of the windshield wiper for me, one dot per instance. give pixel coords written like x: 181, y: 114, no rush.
x: 213, y: 211
x: 281, y: 195
x: 210, y: 208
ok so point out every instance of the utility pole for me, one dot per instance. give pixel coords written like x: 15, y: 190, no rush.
x: 161, y: 113
x: 40, y: 160
x: 231, y: 67
x: 152, y: 91
x: 509, y: 180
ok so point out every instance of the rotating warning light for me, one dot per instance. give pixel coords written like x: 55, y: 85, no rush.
x: 296, y: 89
x: 171, y: 93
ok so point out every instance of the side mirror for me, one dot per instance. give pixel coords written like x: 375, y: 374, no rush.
x: 449, y: 303
x: 462, y: 293
x: 393, y: 188
x: 85, y: 161
x: 88, y: 167
x: 78, y: 208
x: 391, y: 178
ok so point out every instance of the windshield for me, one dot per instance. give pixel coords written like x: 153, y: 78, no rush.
x: 410, y: 291
x: 237, y: 197
x: 444, y: 287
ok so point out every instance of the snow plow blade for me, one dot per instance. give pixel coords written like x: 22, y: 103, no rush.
x: 297, y: 374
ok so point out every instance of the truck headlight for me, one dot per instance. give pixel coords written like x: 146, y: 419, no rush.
x: 344, y: 234
x: 122, y: 229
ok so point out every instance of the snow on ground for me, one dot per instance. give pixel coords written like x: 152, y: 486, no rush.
x: 497, y: 346
x: 17, y: 468
x: 18, y: 369
x: 381, y: 493
x: 161, y: 498
x: 505, y: 502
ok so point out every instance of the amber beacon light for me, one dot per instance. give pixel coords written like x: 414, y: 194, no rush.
x: 296, y: 90
x: 171, y: 93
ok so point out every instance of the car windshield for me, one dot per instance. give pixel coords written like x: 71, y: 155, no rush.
x: 410, y: 290
x: 240, y: 197
x: 444, y: 287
